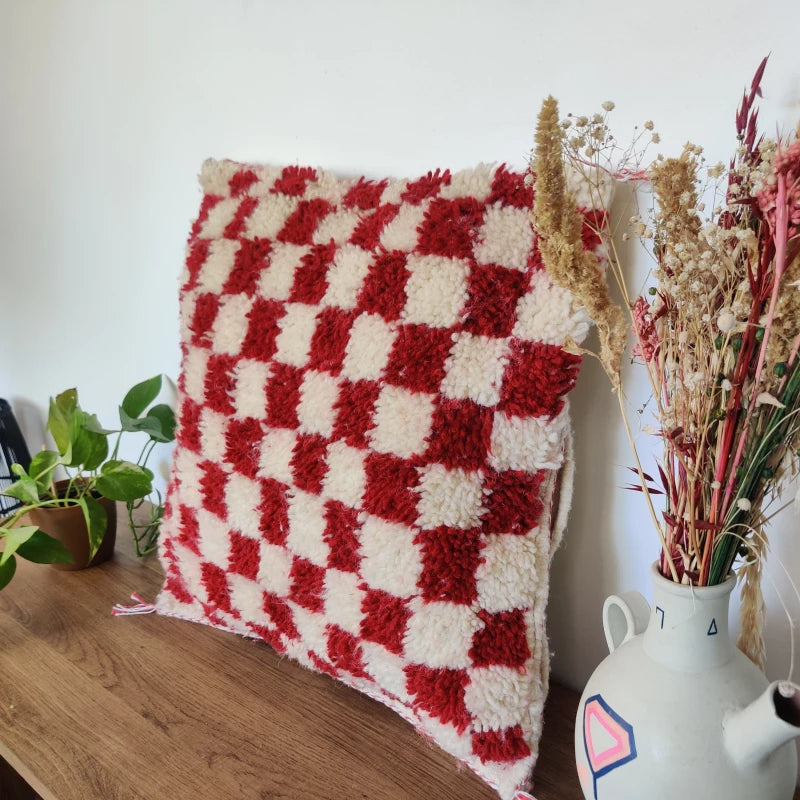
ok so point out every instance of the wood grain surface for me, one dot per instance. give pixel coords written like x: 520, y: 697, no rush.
x: 95, y: 707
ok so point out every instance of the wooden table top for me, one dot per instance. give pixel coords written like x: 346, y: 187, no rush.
x: 95, y: 707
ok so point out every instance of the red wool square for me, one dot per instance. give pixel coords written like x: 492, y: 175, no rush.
x: 385, y: 619
x: 341, y: 526
x: 308, y: 463
x: 251, y: 259
x: 501, y: 641
x: 310, y: 277
x: 209, y: 201
x: 245, y: 556
x: 195, y: 258
x: 283, y: 395
x: 536, y: 379
x: 428, y: 186
x: 364, y: 194
x: 188, y: 434
x: 241, y: 182
x: 281, y: 615
x: 501, y: 746
x: 450, y: 558
x: 215, y: 581
x: 367, y: 234
x: 390, y: 485
x: 235, y: 227
x: 274, y: 512
x: 190, y: 531
x: 512, y: 502
x: 354, y: 409
x: 450, y: 227
x: 417, y: 358
x: 344, y: 651
x: 293, y: 181
x: 330, y: 340
x: 384, y: 289
x: 509, y: 189
x: 302, y: 224
x: 220, y: 383
x: 493, y: 296
x: 212, y: 488
x: 243, y: 444
x: 206, y: 307
x: 460, y: 435
x: 307, y: 584
x: 262, y: 330
x: 440, y: 693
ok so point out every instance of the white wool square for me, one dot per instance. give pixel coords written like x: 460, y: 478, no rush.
x: 220, y: 216
x: 390, y: 560
x: 187, y: 310
x: 505, y: 238
x: 368, y: 348
x: 191, y: 571
x: 439, y: 635
x: 247, y: 597
x: 275, y: 564
x: 528, y: 444
x: 306, y: 527
x: 315, y: 412
x: 297, y: 330
x: 500, y: 697
x: 312, y: 628
x: 436, y: 290
x: 394, y: 191
x: 269, y: 216
x: 218, y: 264
x: 194, y: 374
x: 267, y: 175
x: 230, y: 325
x: 401, y: 232
x: 215, y: 176
x: 242, y: 498
x: 338, y: 226
x: 474, y: 369
x: 328, y: 186
x: 547, y: 313
x: 504, y: 575
x: 250, y: 388
x: 475, y: 183
x: 386, y: 668
x: 343, y: 598
x: 346, y: 277
x: 447, y: 737
x: 345, y: 478
x: 213, y: 427
x: 276, y: 281
x: 452, y: 497
x: 402, y: 421
x: 188, y: 472
x: 277, y: 448
x: 213, y: 540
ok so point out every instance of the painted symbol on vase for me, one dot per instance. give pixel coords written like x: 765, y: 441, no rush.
x: 712, y: 628
x: 660, y: 610
x: 607, y: 738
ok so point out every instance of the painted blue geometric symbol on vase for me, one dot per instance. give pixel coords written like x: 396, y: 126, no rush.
x: 712, y: 628
x: 660, y: 610
x: 607, y: 738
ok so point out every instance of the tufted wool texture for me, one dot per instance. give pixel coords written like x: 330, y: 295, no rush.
x: 372, y: 421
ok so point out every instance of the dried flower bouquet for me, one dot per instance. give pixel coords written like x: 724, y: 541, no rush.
x: 717, y: 329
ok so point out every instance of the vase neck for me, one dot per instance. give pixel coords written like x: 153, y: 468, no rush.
x: 688, y: 626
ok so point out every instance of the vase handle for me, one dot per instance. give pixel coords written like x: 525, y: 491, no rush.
x: 624, y: 616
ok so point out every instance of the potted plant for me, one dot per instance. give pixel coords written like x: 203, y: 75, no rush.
x: 72, y: 522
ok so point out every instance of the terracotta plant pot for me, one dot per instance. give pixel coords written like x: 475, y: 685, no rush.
x: 68, y: 525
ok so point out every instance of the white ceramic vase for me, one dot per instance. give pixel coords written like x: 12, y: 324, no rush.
x: 677, y: 711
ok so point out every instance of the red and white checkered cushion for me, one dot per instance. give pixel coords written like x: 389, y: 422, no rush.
x: 372, y: 418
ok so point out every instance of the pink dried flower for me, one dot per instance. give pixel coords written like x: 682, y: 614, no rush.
x: 787, y: 163
x: 644, y: 329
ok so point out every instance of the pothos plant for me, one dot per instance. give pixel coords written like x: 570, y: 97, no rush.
x: 88, y: 454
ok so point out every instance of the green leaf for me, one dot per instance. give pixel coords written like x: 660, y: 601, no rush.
x: 149, y: 425
x: 24, y: 489
x: 60, y: 420
x: 92, y: 424
x: 166, y: 416
x: 140, y: 396
x: 7, y: 571
x: 42, y: 548
x: 96, y: 522
x: 122, y: 480
x: 96, y: 447
x: 14, y: 538
x: 43, y: 464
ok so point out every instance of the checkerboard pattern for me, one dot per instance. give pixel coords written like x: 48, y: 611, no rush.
x: 372, y: 420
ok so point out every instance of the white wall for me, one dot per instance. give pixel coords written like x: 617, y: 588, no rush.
x: 109, y: 108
